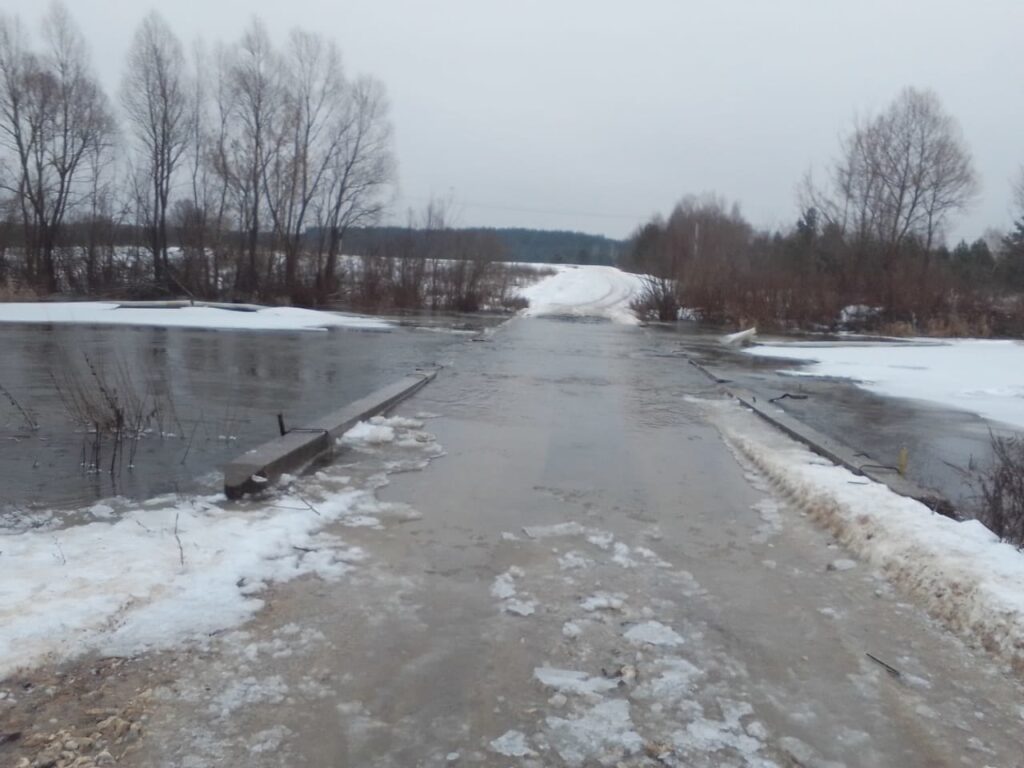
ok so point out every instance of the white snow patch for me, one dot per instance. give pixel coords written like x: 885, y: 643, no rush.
x: 571, y: 630
x: 771, y: 524
x: 653, y: 633
x: 604, y: 733
x: 504, y: 586
x: 246, y: 692
x: 373, y: 434
x: 982, y: 377
x: 705, y: 736
x: 573, y: 560
x: 674, y: 682
x: 520, y: 607
x: 269, y: 740
x: 620, y: 555
x: 573, y: 681
x: 512, y: 744
x: 585, y: 291
x: 124, y: 585
x: 551, y: 531
x: 398, y: 422
x: 504, y: 589
x: 602, y: 601
x: 651, y: 557
x: 215, y: 317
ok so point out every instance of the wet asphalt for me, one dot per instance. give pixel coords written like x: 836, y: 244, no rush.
x: 417, y: 660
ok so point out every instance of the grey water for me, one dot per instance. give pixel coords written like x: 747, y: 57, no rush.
x: 216, y: 394
x: 948, y: 450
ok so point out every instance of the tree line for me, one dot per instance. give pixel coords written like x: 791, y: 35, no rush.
x: 541, y: 246
x: 868, y: 248
x: 203, y: 174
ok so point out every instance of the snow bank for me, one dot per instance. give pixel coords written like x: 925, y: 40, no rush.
x: 171, y: 570
x: 264, y: 319
x: 983, y: 377
x: 959, y: 571
x: 584, y: 291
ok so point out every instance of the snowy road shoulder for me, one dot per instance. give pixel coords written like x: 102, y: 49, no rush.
x: 980, y: 376
x: 959, y: 571
x: 175, y: 570
x: 213, y: 317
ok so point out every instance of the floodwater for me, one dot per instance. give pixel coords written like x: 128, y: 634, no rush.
x: 944, y: 446
x: 206, y: 396
x: 593, y: 578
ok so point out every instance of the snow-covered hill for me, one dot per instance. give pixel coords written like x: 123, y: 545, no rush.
x: 585, y: 291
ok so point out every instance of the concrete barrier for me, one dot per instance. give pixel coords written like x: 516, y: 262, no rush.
x: 834, y: 450
x: 255, y: 470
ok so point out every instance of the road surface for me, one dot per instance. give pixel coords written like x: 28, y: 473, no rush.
x: 589, y: 576
x: 595, y: 579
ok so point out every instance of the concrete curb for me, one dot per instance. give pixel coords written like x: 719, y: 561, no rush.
x: 295, y: 450
x: 834, y: 450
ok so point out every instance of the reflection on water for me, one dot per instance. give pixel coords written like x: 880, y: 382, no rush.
x: 222, y: 392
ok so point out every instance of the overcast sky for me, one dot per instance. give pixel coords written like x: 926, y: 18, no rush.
x: 592, y: 115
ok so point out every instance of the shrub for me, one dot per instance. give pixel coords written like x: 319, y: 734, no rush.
x: 1001, y: 487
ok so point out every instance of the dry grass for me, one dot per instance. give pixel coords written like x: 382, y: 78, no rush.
x: 11, y: 291
x: 113, y: 409
x: 1001, y: 489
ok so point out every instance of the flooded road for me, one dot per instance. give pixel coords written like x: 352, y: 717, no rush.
x: 942, y: 444
x: 216, y: 394
x: 589, y: 576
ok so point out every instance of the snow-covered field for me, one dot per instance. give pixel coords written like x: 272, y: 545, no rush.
x: 585, y: 291
x: 959, y: 571
x: 105, y: 313
x: 983, y: 377
x: 170, y: 570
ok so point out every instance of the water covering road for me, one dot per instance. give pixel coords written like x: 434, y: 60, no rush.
x: 592, y: 578
x: 218, y: 393
x: 944, y: 446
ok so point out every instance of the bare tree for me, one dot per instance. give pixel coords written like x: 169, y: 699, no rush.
x: 900, y: 177
x: 254, y: 91
x: 1018, y: 194
x: 360, y: 174
x: 200, y: 216
x: 901, y: 174
x: 155, y: 96
x: 313, y: 95
x: 53, y: 115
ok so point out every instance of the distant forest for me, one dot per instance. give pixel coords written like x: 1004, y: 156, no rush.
x: 529, y: 245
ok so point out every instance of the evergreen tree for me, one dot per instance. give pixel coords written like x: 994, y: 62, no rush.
x: 1010, y: 270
